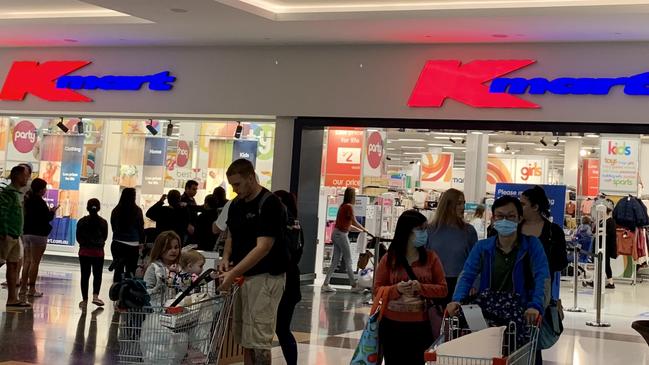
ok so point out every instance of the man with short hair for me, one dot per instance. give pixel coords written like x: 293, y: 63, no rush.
x: 191, y: 188
x: 11, y: 227
x: 256, y: 250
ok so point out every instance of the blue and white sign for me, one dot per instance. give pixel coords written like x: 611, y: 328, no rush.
x: 556, y: 195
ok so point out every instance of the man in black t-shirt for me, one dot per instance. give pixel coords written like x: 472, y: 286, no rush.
x: 256, y: 250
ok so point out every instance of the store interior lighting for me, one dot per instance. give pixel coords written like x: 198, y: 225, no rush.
x: 463, y: 140
x: 150, y: 128
x: 80, y: 126
x: 543, y: 142
x: 62, y: 126
x: 170, y: 129
x: 237, y: 132
x: 499, y: 149
x: 451, y: 139
x: 556, y: 143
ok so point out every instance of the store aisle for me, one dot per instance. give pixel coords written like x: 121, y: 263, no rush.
x: 326, y: 325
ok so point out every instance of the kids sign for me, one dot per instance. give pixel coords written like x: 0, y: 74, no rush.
x: 51, y: 81
x: 467, y: 83
x: 618, y: 172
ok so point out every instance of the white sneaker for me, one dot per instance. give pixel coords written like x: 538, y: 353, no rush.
x: 357, y: 290
x: 327, y: 289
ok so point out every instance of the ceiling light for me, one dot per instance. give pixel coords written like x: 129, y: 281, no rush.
x: 556, y: 143
x: 454, y: 134
x: 410, y: 140
x: 592, y: 135
x: 412, y: 153
x: 592, y: 151
x: 582, y: 153
x: 463, y: 140
x: 451, y: 139
x: 476, y: 132
x: 542, y: 141
x: 151, y: 128
x: 44, y: 14
x: 62, y: 126
x: 455, y: 148
x: 391, y: 149
x: 437, y: 145
x: 522, y: 143
x: 507, y: 147
x: 170, y: 129
x: 388, y: 158
x: 237, y: 132
x: 413, y: 147
x: 499, y: 149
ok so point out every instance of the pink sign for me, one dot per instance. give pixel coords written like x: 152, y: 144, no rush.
x: 183, y: 153
x: 24, y: 136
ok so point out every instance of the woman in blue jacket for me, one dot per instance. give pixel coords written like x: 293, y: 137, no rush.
x: 502, y: 263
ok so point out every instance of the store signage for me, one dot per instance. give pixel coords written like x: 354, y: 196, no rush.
x: 24, y: 136
x: 466, y: 83
x: 619, y: 166
x: 343, y: 162
x: 51, y: 81
x: 183, y: 153
x: 374, y: 150
x: 556, y: 195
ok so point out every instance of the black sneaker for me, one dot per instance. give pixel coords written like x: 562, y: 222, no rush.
x: 587, y: 283
x: 610, y: 286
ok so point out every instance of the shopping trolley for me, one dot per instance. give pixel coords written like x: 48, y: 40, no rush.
x: 512, y: 353
x: 181, y: 333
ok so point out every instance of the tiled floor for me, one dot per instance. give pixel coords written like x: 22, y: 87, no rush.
x: 327, y: 326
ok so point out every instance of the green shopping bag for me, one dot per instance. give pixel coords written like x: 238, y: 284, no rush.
x: 367, y: 352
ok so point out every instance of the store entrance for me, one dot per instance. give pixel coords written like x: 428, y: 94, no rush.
x: 401, y: 164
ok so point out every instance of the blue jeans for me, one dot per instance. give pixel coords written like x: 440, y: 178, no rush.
x: 342, y: 251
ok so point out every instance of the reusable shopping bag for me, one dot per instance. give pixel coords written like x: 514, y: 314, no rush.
x: 367, y: 352
x: 552, y: 325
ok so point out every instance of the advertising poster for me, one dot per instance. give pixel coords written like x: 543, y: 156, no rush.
x: 556, y: 195
x: 590, y: 177
x: 499, y: 170
x: 245, y: 149
x: 343, y: 165
x: 184, y: 153
x: 71, y: 162
x: 220, y: 157
x: 436, y: 170
x: 374, y: 154
x: 23, y: 145
x: 531, y: 170
x: 618, y: 173
x: 521, y: 170
x: 155, y: 150
x: 457, y: 182
x: 4, y: 136
x: 264, y: 133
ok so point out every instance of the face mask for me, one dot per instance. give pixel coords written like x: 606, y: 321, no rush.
x: 505, y: 227
x: 421, y: 238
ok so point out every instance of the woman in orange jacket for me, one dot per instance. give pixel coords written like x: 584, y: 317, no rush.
x: 405, y: 331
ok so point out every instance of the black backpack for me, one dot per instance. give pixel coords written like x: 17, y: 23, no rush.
x: 291, y: 235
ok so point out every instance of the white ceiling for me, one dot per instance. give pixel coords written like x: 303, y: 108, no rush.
x: 25, y: 23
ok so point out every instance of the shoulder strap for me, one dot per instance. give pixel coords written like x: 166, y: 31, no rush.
x: 406, y: 265
x: 263, y: 200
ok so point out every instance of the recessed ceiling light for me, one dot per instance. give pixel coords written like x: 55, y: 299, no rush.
x: 69, y: 40
x: 499, y: 35
x: 178, y: 10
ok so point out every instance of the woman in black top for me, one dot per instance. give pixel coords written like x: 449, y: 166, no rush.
x: 92, y: 233
x: 536, y: 223
x: 204, y: 233
x: 36, y: 228
x: 292, y: 294
x: 127, y: 223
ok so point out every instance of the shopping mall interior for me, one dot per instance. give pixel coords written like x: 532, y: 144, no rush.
x: 401, y: 101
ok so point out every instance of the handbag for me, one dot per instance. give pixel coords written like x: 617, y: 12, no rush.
x: 368, y: 351
x: 435, y: 311
x: 552, y: 325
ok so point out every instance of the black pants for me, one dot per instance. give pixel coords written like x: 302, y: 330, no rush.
x: 609, y: 271
x: 283, y: 330
x: 404, y: 342
x: 125, y: 259
x: 88, y: 264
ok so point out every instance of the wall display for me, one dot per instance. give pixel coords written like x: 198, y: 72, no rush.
x: 522, y: 170
x: 220, y: 157
x: 24, y: 143
x: 343, y: 162
x: 155, y: 149
x: 618, y: 173
x: 590, y: 177
x: 436, y: 170
x: 244, y: 149
x: 556, y: 195
x: 264, y: 134
x: 374, y: 154
x: 60, y: 166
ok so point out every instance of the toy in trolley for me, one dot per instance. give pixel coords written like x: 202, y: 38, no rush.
x: 190, y: 330
x: 458, y: 345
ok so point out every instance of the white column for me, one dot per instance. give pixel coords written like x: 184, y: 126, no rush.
x: 475, y: 170
x: 572, y: 163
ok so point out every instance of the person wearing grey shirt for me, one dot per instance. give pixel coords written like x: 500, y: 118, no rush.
x: 450, y: 237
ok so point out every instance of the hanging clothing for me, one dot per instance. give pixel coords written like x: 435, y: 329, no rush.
x: 571, y: 208
x: 626, y: 242
x: 586, y: 206
x: 630, y: 213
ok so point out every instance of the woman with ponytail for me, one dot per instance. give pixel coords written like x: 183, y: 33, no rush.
x: 92, y: 232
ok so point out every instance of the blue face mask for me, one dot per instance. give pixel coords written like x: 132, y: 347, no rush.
x: 505, y: 227
x: 421, y: 238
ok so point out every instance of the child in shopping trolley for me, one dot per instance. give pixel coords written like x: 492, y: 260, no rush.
x: 191, y: 267
x: 160, y: 275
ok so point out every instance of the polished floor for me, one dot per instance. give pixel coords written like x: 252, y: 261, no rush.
x: 327, y: 326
